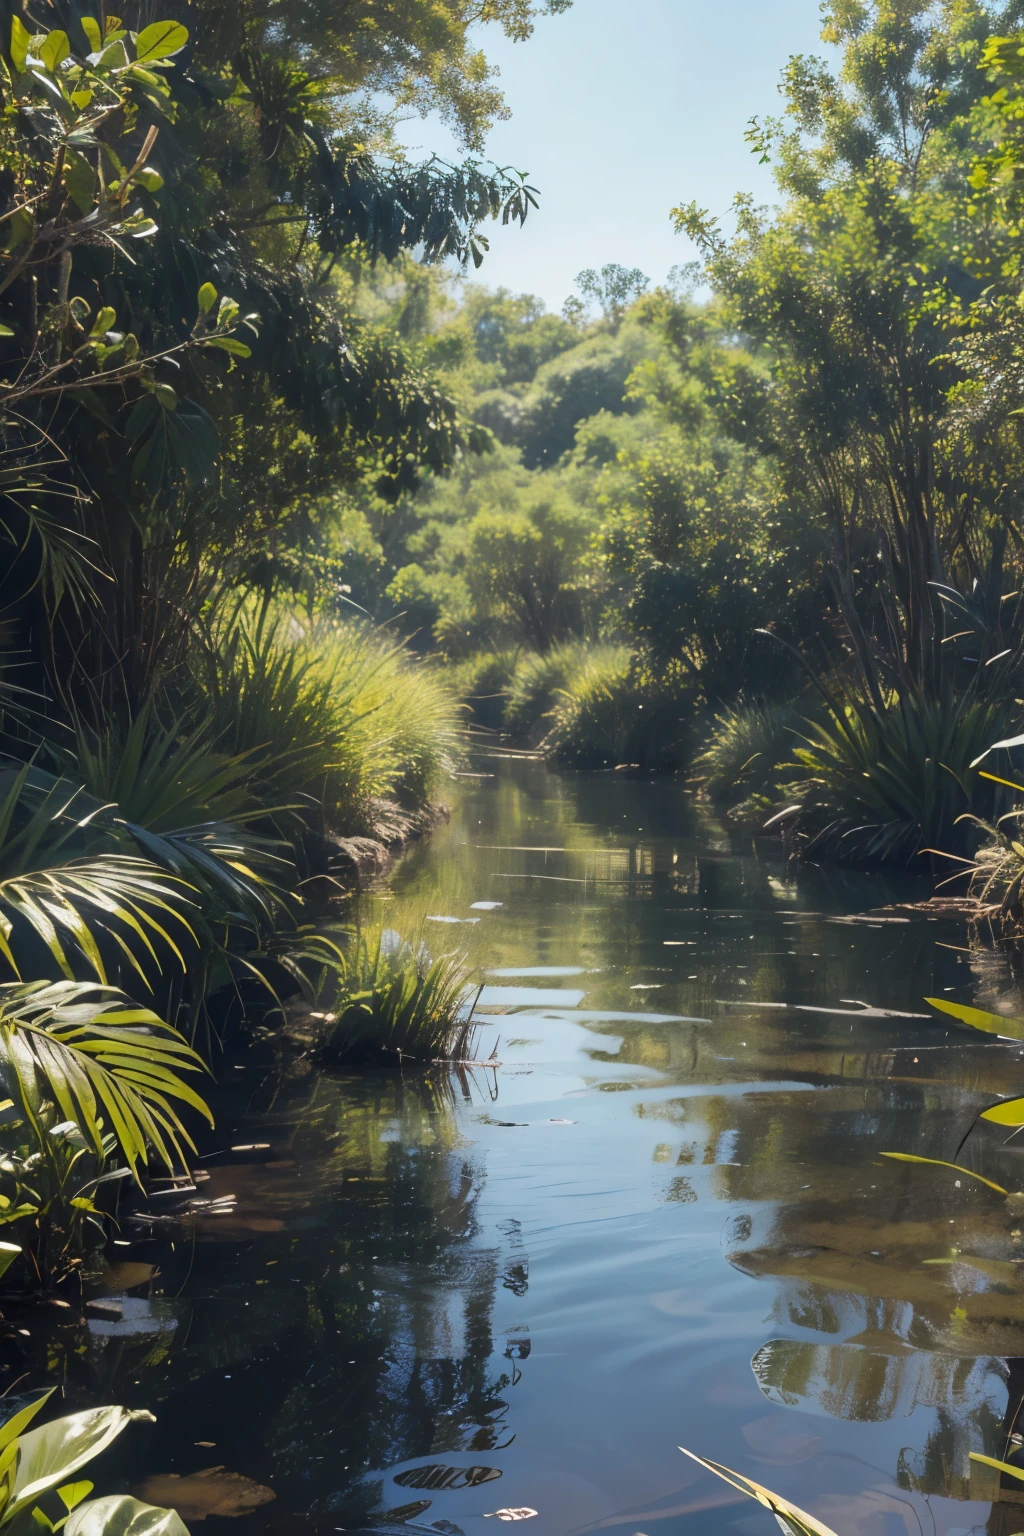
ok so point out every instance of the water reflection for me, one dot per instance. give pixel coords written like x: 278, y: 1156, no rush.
x: 658, y: 1219
x: 342, y: 1303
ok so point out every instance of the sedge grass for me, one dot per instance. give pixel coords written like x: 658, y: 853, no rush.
x: 396, y: 1001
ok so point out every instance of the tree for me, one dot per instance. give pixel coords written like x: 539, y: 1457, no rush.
x: 187, y: 227
x: 530, y: 566
x: 853, y: 290
x: 614, y: 288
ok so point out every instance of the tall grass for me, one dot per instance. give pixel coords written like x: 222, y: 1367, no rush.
x: 483, y: 682
x: 537, y: 685
x: 329, y: 713
x: 393, y: 999
x: 614, y: 712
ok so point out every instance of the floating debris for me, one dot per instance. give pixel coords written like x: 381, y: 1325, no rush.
x: 211, y: 1492
x: 129, y: 1315
x: 405, y: 1511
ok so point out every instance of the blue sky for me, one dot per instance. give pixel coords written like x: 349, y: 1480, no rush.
x: 622, y: 109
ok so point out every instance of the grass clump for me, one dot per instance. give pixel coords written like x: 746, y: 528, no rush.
x: 482, y: 682
x: 395, y: 1000
x: 537, y: 684
x: 748, y: 746
x: 615, y: 711
x: 884, y: 785
x: 329, y: 714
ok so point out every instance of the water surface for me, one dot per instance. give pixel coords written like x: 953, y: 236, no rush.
x: 652, y: 1215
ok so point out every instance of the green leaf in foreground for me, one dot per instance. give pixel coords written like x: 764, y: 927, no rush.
x: 47, y: 1456
x: 978, y: 1018
x: 160, y: 40
x: 121, y: 1515
x: 789, y: 1516
x: 937, y: 1162
x: 1000, y: 1466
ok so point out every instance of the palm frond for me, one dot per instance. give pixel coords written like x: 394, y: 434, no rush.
x: 87, y: 909
x: 162, y: 776
x: 105, y: 1062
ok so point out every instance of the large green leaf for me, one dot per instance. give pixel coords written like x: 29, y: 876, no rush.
x: 73, y: 898
x: 160, y: 40
x: 49, y: 1455
x: 120, y: 1515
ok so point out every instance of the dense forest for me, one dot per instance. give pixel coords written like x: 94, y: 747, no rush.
x: 759, y: 525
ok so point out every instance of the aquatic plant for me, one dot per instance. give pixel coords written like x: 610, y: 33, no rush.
x: 394, y: 999
x: 37, y: 1467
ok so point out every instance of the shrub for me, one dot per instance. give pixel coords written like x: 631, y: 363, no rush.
x: 483, y: 682
x: 748, y: 747
x: 537, y: 684
x: 329, y: 713
x: 886, y: 785
x: 615, y: 712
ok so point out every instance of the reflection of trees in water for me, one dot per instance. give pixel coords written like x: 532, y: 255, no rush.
x: 908, y: 1283
x: 340, y: 1320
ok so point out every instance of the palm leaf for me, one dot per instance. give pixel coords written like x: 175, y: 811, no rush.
x: 105, y: 1062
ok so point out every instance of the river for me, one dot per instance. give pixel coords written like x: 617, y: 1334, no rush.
x: 653, y: 1214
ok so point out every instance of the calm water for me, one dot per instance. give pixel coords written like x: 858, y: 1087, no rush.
x: 657, y: 1218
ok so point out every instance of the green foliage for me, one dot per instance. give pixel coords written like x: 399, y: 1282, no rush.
x: 750, y: 749
x: 892, y: 783
x: 483, y: 682
x: 612, y: 713
x: 41, y: 1461
x: 614, y: 288
x: 531, y: 567
x: 61, y: 896
x: 191, y: 218
x: 163, y: 777
x: 96, y: 1088
x: 538, y: 684
x: 95, y: 1055
x: 328, y: 715
x: 396, y: 999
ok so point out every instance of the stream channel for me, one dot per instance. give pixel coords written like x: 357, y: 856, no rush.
x: 652, y: 1215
